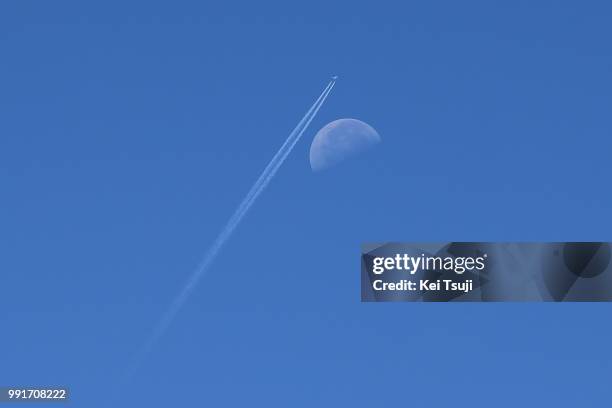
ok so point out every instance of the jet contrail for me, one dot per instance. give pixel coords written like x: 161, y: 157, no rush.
x: 288, y: 142
x: 261, y: 183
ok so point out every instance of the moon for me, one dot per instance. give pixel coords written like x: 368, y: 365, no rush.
x: 339, y: 140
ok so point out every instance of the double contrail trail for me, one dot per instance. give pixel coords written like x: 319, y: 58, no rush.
x: 276, y: 161
x: 259, y: 186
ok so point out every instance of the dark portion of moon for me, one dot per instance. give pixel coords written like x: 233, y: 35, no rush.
x: 340, y: 140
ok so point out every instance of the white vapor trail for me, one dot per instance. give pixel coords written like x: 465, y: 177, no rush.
x: 271, y: 168
x: 257, y: 188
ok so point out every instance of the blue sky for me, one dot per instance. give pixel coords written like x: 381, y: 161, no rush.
x: 129, y: 131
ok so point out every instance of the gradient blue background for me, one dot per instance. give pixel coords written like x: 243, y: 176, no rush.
x: 129, y: 131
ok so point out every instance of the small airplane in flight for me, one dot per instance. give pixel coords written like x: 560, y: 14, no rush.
x: 335, y: 77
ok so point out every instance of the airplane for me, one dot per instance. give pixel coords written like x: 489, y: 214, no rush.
x: 335, y: 77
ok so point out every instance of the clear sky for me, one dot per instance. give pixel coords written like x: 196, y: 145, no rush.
x: 129, y: 131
